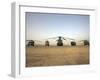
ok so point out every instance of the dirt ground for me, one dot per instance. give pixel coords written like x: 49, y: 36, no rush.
x: 56, y: 56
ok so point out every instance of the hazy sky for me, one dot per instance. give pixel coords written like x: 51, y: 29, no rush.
x: 41, y: 26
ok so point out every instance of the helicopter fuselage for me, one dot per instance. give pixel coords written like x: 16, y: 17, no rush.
x: 46, y: 43
x: 31, y: 43
x: 59, y: 42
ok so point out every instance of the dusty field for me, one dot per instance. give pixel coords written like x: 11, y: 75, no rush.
x: 54, y: 56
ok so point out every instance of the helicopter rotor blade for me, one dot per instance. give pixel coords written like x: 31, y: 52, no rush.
x: 68, y: 38
x: 52, y: 38
x: 34, y: 40
x: 80, y: 40
x: 37, y: 41
x: 29, y: 40
x: 64, y: 38
x: 83, y: 40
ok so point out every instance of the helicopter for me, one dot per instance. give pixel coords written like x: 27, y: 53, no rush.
x: 72, y: 41
x: 46, y: 43
x: 85, y: 42
x: 59, y: 41
x: 32, y: 42
x: 61, y: 38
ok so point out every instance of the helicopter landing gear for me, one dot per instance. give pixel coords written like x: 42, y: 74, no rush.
x: 59, y: 44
